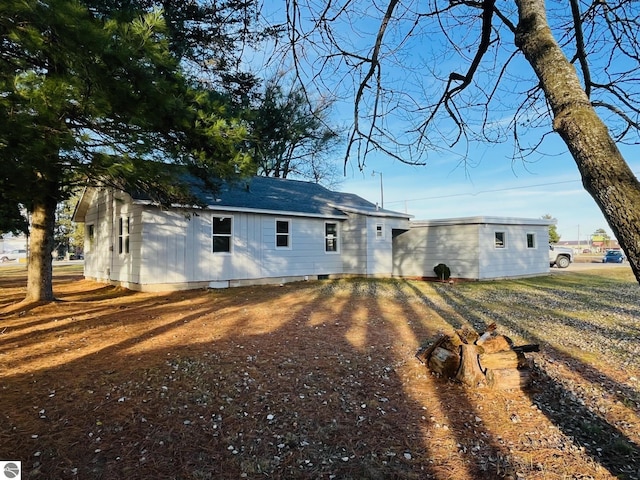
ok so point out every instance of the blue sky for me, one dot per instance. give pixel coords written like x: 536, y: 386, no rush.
x: 492, y: 184
x: 493, y: 188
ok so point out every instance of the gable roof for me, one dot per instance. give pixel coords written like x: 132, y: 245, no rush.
x: 270, y: 195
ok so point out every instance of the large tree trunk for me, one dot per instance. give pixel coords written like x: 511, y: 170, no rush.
x: 605, y: 173
x: 40, y: 267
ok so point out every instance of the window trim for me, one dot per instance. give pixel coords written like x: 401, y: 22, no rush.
x: 496, y: 242
x: 222, y: 235
x: 379, y: 231
x: 534, y: 239
x: 286, y: 234
x: 336, y: 239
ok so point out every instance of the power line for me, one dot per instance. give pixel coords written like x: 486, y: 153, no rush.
x: 473, y: 194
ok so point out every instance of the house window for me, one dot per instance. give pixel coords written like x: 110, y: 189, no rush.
x: 123, y: 235
x: 330, y: 237
x: 500, y: 239
x: 91, y: 235
x: 531, y: 240
x: 221, y: 233
x: 379, y: 231
x: 283, y: 233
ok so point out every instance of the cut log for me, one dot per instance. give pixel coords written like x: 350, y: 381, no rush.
x: 467, y: 336
x: 508, y: 378
x: 496, y: 344
x: 469, y: 372
x: 500, y: 360
x: 424, y: 353
x: 444, y: 362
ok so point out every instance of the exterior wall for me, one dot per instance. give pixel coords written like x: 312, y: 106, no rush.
x: 516, y: 258
x: 178, y: 249
x: 170, y: 249
x: 469, y: 250
x: 103, y: 260
x: 96, y: 248
x: 380, y: 232
x: 355, y: 240
x: 418, y: 250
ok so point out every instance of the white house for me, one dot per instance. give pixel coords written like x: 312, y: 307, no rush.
x: 477, y: 248
x: 259, y: 230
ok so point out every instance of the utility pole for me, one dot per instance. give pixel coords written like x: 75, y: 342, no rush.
x: 373, y: 174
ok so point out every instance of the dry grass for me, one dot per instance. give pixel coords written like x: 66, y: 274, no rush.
x: 317, y: 380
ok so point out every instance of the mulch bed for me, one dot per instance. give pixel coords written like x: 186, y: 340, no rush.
x: 305, y: 381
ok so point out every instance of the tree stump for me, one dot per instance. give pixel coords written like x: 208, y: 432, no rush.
x: 478, y: 360
x: 469, y: 371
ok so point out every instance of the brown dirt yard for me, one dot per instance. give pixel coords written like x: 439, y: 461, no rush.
x: 317, y: 380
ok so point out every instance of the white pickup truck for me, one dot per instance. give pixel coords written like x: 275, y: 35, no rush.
x: 560, y: 256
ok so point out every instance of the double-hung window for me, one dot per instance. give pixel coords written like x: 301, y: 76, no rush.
x: 283, y: 233
x: 500, y: 239
x: 221, y: 232
x: 123, y: 235
x: 331, y: 237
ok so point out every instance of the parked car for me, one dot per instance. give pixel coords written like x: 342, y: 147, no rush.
x: 13, y: 255
x: 613, y: 256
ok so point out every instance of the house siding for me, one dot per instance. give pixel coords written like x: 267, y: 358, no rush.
x: 419, y: 250
x: 468, y: 249
x: 515, y: 259
x: 355, y: 241
x: 177, y: 249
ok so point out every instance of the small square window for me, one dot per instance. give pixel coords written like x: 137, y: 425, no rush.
x: 500, y: 239
x: 531, y: 240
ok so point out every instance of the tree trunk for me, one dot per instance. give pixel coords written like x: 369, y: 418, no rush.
x: 605, y: 174
x: 40, y: 267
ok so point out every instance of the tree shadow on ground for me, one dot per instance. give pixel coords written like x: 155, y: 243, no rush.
x: 199, y: 386
x: 583, y: 422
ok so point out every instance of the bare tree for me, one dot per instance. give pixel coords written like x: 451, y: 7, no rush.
x: 486, y: 72
x: 290, y: 135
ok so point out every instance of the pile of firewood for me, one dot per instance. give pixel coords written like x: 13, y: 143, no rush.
x: 477, y: 360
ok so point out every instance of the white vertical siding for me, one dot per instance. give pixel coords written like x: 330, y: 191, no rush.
x: 469, y: 250
x: 178, y: 248
x: 419, y: 250
x: 380, y: 244
x: 125, y: 266
x: 515, y: 259
x: 97, y: 253
x: 355, y: 241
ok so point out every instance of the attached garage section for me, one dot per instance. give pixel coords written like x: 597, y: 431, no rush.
x: 475, y: 248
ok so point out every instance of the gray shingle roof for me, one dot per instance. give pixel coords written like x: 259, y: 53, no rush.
x: 287, y: 196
